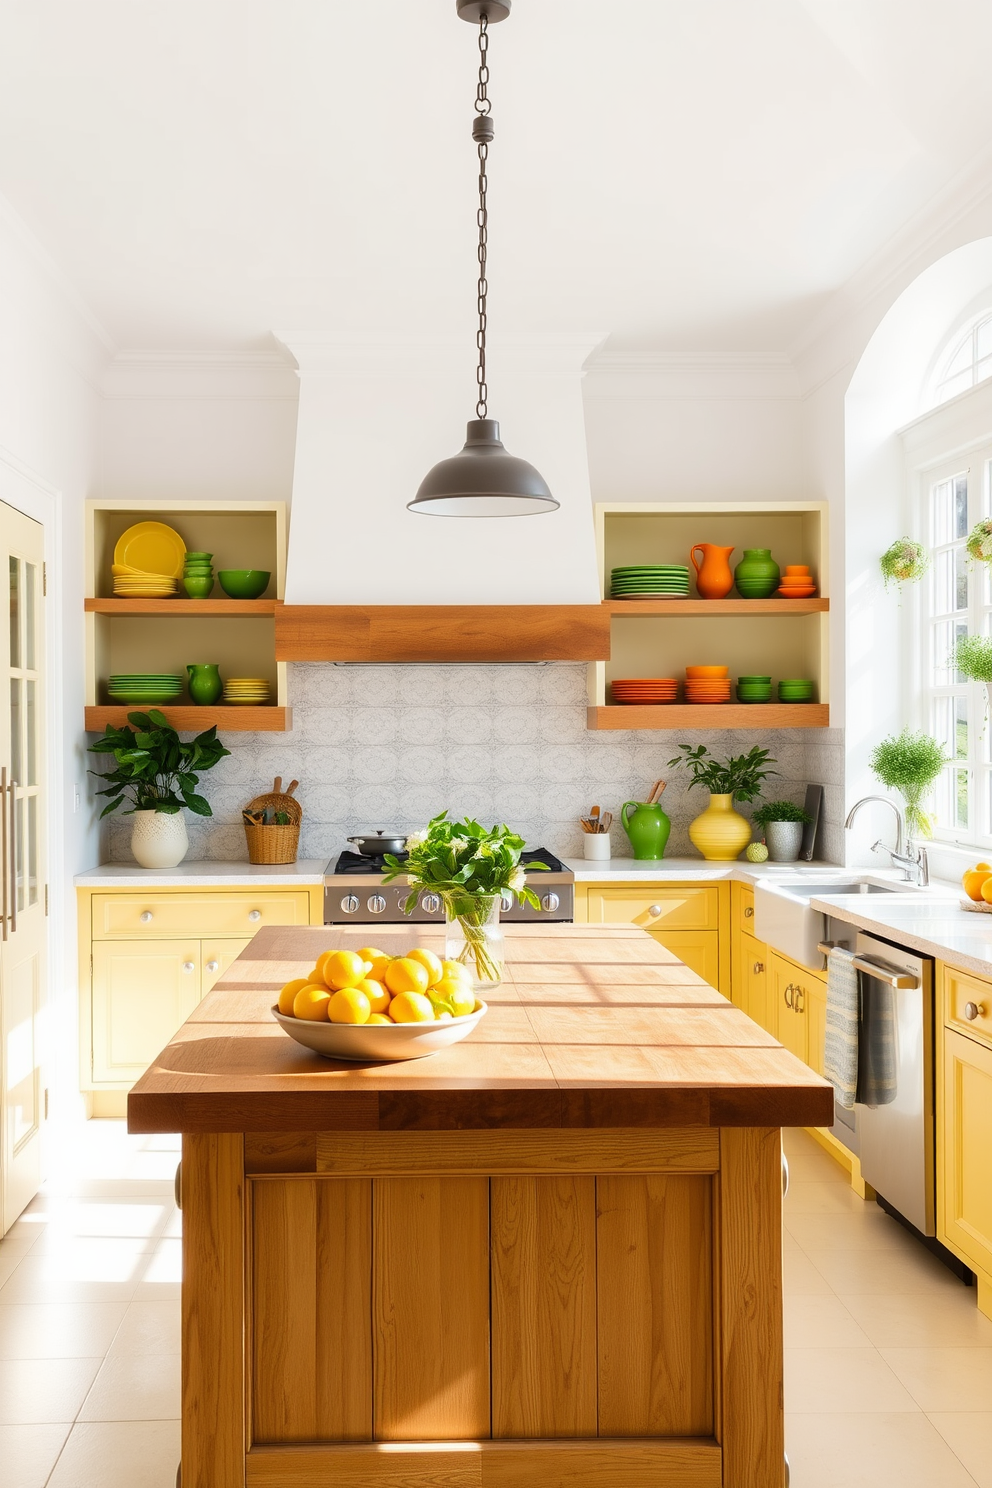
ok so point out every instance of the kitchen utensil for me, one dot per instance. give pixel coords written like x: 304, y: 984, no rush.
x: 594, y: 814
x: 597, y: 847
x: 374, y: 844
x: 244, y: 583
x: 647, y: 827
x: 151, y: 547
x: 366, y: 1043
x: 606, y: 821
x: 714, y: 579
x: 205, y: 685
x: 757, y: 575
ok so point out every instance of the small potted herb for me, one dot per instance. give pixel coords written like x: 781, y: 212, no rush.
x: 905, y: 562
x: 156, y: 774
x: 782, y: 824
x: 973, y: 659
x: 910, y: 763
x: 721, y: 833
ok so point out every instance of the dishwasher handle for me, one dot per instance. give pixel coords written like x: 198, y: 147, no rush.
x: 880, y: 970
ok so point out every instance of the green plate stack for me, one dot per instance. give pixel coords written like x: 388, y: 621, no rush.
x: 654, y: 581
x: 796, y: 690
x: 144, y: 687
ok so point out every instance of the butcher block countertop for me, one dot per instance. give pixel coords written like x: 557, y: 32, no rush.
x: 592, y: 1027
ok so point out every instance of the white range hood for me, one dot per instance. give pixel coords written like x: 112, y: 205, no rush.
x: 374, y: 418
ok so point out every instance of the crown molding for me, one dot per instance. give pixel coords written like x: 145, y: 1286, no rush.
x: 182, y: 375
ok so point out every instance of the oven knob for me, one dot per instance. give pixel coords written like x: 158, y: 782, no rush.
x: 430, y: 903
x: 550, y: 902
x: 376, y: 904
x: 506, y: 902
x: 349, y: 903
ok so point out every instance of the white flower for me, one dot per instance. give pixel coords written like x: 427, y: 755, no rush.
x: 415, y: 839
x: 458, y: 844
x: 517, y: 880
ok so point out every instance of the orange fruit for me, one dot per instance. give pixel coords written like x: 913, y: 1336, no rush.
x: 986, y: 892
x: 345, y: 969
x: 378, y: 960
x: 987, y: 866
x: 379, y: 1018
x: 427, y: 959
x: 974, y: 882
x: 411, y: 1007
x: 310, y: 1003
x: 288, y: 994
x: 349, y: 1005
x: 376, y: 993
x: 406, y: 975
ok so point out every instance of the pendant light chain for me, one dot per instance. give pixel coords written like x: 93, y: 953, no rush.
x: 482, y: 133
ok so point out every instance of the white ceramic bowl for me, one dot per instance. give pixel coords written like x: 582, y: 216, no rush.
x: 364, y: 1042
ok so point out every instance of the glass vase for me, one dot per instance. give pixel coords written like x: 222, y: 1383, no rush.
x: 473, y: 935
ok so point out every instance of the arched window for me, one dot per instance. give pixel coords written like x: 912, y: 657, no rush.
x: 968, y: 362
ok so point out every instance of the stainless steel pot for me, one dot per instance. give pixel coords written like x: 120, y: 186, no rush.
x: 377, y: 843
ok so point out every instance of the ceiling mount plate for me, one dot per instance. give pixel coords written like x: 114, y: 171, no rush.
x: 474, y: 10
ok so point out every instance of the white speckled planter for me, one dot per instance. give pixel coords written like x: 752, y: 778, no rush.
x: 158, y: 838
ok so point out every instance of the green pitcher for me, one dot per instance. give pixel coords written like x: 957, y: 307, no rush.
x: 205, y: 685
x: 757, y: 575
x: 647, y: 827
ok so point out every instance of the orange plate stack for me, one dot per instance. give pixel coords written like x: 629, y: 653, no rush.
x: 645, y: 690
x: 707, y: 684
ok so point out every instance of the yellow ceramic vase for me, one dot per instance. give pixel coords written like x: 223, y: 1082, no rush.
x: 721, y: 833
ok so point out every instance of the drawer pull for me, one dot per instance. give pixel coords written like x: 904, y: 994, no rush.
x: 799, y: 1000
x: 254, y: 914
x: 189, y: 966
x: 146, y: 917
x: 213, y: 966
x: 787, y: 994
x: 758, y: 967
x: 973, y: 1010
x: 654, y: 910
x: 749, y: 912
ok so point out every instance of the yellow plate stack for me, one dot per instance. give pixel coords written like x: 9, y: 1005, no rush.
x: 246, y: 690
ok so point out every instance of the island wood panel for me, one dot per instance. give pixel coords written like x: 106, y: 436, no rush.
x: 442, y: 633
x: 693, y: 1150
x: 311, y: 1338
x: 430, y: 1287
x: 492, y: 1464
x: 654, y: 1288
x: 544, y: 1307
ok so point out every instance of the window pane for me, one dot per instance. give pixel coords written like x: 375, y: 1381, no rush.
x: 953, y: 386
x: 983, y: 338
x: 960, y: 750
x: 16, y: 761
x: 30, y: 583
x: 32, y: 727
x: 15, y: 612
x: 961, y: 797
x: 962, y: 358
x: 950, y: 581
x: 32, y: 849
x: 983, y: 369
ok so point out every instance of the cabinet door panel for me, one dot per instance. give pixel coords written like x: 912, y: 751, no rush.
x: 965, y: 1115
x: 699, y: 949
x: 787, y: 1005
x: 754, y: 978
x: 689, y: 907
x: 133, y: 915
x: 216, y: 957
x: 141, y: 994
x: 964, y: 994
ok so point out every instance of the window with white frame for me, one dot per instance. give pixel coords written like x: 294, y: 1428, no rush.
x: 968, y: 362
x: 958, y: 602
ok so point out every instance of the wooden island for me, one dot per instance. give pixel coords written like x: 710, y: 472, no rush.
x: 550, y: 1255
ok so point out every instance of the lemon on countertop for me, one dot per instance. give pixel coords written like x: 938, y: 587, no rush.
x: 411, y: 1007
x: 345, y: 969
x: 310, y: 1004
x: 406, y: 975
x: 288, y: 994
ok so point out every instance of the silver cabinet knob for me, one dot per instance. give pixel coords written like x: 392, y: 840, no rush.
x: 550, y: 902
x: 146, y: 917
x: 749, y: 912
x: 758, y: 966
x: 430, y: 903
x: 973, y: 1010
x: 213, y: 966
x: 254, y: 914
x: 349, y: 903
x: 376, y: 903
x: 654, y: 910
x: 189, y: 966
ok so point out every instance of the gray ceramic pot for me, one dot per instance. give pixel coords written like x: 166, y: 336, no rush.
x: 783, y: 839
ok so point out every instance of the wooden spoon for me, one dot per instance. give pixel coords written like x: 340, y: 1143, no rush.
x: 656, y: 794
x: 606, y: 821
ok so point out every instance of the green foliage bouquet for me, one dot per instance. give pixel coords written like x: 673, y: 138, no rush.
x: 470, y: 867
x: 741, y: 776
x: 153, y: 769
x: 910, y: 763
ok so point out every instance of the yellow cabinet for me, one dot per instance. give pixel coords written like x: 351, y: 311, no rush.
x: 792, y: 992
x: 692, y: 920
x: 141, y: 994
x: 130, y: 915
x: 753, y: 978
x: 967, y: 1002
x: 964, y: 1150
x: 215, y: 958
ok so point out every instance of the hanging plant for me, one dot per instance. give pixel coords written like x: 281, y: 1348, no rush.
x: 905, y: 562
x: 979, y: 542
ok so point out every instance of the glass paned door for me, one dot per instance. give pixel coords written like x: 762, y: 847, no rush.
x: 22, y: 862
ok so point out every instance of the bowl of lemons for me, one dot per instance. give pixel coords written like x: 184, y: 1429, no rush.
x: 365, y: 1005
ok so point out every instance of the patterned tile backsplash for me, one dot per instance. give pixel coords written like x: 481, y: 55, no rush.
x: 390, y: 746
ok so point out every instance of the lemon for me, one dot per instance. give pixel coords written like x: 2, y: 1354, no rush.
x: 456, y: 969
x: 379, y: 1018
x: 345, y: 969
x: 288, y: 994
x: 349, y: 1005
x: 427, y: 959
x: 376, y: 993
x: 310, y: 1003
x: 411, y: 1007
x: 406, y: 975
x: 454, y: 995
x: 316, y: 976
x: 444, y: 1017
x: 378, y: 960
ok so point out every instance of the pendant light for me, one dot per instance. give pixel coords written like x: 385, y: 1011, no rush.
x: 483, y: 480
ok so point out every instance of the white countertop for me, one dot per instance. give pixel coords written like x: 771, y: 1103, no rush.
x: 930, y: 921
x: 203, y: 874
x: 634, y: 870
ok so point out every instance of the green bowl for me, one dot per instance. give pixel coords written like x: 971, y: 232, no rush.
x: 198, y: 557
x: 244, y: 583
x: 198, y: 587
x: 755, y: 681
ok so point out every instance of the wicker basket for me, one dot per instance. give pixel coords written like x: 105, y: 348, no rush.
x: 275, y: 844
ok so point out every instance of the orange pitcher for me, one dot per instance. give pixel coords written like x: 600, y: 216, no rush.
x: 714, y: 576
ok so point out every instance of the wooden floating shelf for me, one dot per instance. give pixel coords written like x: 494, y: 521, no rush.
x: 710, y: 716
x: 202, y: 607
x: 714, y: 607
x: 191, y: 719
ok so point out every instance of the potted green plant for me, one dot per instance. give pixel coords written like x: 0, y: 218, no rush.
x: 905, y: 562
x: 156, y: 774
x: 910, y: 763
x: 782, y: 825
x: 470, y: 868
x: 720, y: 833
x: 973, y: 659
x: 979, y: 542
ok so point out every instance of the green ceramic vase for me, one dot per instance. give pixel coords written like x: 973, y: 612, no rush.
x: 757, y: 576
x: 647, y: 827
x: 205, y: 685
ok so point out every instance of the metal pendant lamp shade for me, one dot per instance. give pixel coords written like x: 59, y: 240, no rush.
x: 483, y: 480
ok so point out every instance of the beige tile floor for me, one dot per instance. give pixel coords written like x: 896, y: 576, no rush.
x: 888, y: 1361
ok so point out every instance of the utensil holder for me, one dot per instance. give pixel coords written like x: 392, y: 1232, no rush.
x: 274, y: 844
x: 596, y: 845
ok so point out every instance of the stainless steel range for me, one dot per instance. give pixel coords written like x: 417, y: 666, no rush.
x: 354, y: 893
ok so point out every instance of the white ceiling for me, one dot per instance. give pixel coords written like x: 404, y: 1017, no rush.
x: 691, y: 175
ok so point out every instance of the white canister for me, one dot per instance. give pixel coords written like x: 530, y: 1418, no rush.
x: 596, y: 845
x: 783, y: 839
x: 158, y: 838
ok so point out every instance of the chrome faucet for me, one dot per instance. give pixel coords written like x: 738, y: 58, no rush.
x: 913, y: 861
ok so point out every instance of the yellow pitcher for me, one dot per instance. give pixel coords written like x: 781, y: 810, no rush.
x: 714, y: 576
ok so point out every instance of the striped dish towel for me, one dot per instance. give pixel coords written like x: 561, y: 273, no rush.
x: 840, y: 1053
